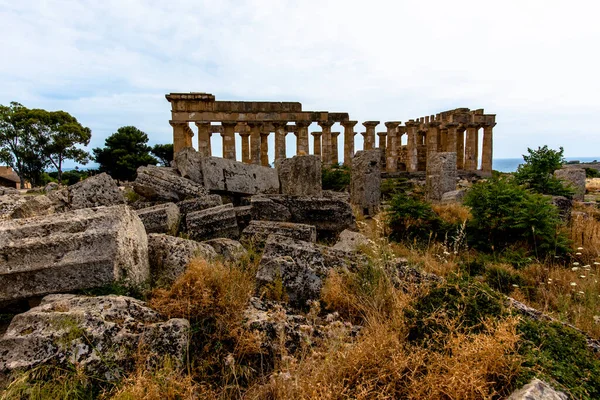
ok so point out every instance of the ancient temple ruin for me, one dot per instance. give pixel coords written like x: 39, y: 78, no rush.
x: 404, y: 147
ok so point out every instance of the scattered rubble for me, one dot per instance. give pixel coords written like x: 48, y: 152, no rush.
x: 163, y: 218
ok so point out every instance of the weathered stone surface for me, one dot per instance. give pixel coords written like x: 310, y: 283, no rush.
x: 441, y: 175
x: 228, y: 249
x: 332, y: 194
x: 224, y: 175
x: 365, y: 181
x: 99, y: 334
x: 574, y: 178
x: 8, y: 203
x: 350, y: 241
x: 7, y: 190
x: 243, y: 214
x: 257, y: 232
x: 33, y: 207
x: 170, y: 255
x: 213, y: 223
x: 98, y: 190
x: 454, y: 196
x: 51, y: 187
x: 300, y: 175
x: 266, y: 209
x: 538, y: 390
x: 163, y: 218
x: 79, y: 249
x: 301, y: 266
x: 199, y: 203
x: 564, y: 205
x: 163, y: 183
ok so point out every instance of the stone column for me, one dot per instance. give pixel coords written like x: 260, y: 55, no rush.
x: 471, y: 147
x: 412, y: 160
x: 229, y: 140
x: 326, y: 142
x: 348, y: 141
x: 334, y: 148
x: 317, y: 143
x: 391, y: 151
x: 204, y: 134
x: 280, y: 133
x: 442, y: 139
x: 460, y: 147
x: 451, y: 128
x: 370, y: 134
x: 383, y: 148
x: 255, y: 128
x: 487, y: 152
x: 432, y: 138
x: 180, y: 135
x: 302, y: 137
x: 264, y: 146
x: 245, y: 146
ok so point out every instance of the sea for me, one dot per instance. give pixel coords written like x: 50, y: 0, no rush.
x: 511, y: 164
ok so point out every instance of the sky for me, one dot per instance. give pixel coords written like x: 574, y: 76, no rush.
x: 110, y: 63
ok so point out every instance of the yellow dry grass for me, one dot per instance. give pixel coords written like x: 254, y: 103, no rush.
x: 452, y: 213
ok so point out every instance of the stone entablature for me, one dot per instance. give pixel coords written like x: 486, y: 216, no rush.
x: 455, y: 130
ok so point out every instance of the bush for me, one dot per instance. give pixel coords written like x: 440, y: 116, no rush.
x: 592, y: 173
x: 506, y: 215
x: 537, y: 173
x: 336, y: 178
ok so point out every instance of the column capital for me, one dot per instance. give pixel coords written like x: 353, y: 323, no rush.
x: 349, y: 124
x: 381, y: 134
x: 243, y: 134
x: 200, y: 123
x: 229, y: 124
x: 178, y: 123
x: 316, y: 134
x: 411, y: 123
x: 450, y: 125
x: 489, y: 125
x: 434, y: 124
x: 473, y: 125
x: 326, y: 124
x: 254, y: 124
x: 373, y: 124
x: 303, y: 124
x: 279, y: 124
x: 335, y: 134
x: 392, y: 124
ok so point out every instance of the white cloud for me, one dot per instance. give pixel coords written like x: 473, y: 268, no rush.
x: 532, y: 62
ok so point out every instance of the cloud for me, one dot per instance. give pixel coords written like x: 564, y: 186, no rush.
x: 109, y: 63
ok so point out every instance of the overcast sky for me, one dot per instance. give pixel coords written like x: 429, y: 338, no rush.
x: 110, y: 63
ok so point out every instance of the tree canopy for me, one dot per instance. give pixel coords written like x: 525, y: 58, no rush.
x: 537, y: 173
x: 164, y: 153
x: 125, y: 151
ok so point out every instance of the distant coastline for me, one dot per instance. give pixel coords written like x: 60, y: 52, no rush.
x: 511, y: 164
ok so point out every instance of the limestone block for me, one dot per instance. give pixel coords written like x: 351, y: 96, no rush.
x: 454, y: 196
x: 226, y: 176
x: 98, y: 190
x: 258, y: 231
x: 229, y: 249
x: 441, y: 175
x: 243, y: 215
x: 79, y: 249
x: 199, y: 203
x: 300, y: 175
x: 10, y: 202
x: 351, y: 241
x: 574, y: 178
x: 365, y: 181
x: 538, y: 390
x: 98, y: 334
x: 213, y: 223
x: 163, y: 218
x: 51, y: 187
x: 301, y: 266
x: 163, y: 183
x: 170, y: 255
x: 33, y: 207
x: 7, y: 190
x: 264, y: 208
x: 564, y: 205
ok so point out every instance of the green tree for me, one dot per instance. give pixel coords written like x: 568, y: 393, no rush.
x: 537, y: 173
x: 164, y: 153
x: 124, y: 152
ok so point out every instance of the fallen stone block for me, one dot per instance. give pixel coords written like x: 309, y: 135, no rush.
x: 163, y: 183
x: 229, y: 249
x: 301, y: 266
x: 243, y: 215
x: 365, y: 181
x: 170, y: 255
x: 441, y: 175
x: 8, y: 203
x: 265, y: 209
x: 565, y: 207
x: 257, y: 232
x: 224, y: 175
x: 538, y: 390
x: 79, y: 249
x: 98, y: 190
x: 33, y: 207
x: 98, y: 334
x: 7, y: 190
x: 163, y: 218
x: 573, y: 178
x: 350, y: 241
x: 454, y: 196
x: 300, y: 175
x: 213, y: 223
x: 199, y: 203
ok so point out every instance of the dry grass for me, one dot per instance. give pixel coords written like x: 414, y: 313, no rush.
x: 452, y: 213
x: 592, y: 184
x: 584, y: 231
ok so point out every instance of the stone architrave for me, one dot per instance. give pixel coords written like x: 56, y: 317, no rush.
x: 204, y: 134
x: 326, y: 149
x: 412, y: 163
x: 441, y: 175
x: 348, y: 141
x: 471, y: 147
x: 365, y: 181
x: 300, y: 176
x: 79, y: 249
x: 573, y: 178
x: 302, y: 137
x: 391, y: 153
x: 229, y: 140
x: 317, y: 143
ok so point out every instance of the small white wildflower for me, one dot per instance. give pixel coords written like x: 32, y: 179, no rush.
x: 597, y: 319
x: 575, y: 269
x: 596, y: 263
x: 587, y: 266
x: 580, y: 248
x: 573, y: 284
x: 580, y: 292
x: 549, y: 279
x: 515, y: 285
x: 582, y: 276
x: 577, y: 254
x: 575, y: 263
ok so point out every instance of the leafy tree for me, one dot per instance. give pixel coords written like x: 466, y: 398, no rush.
x: 537, y: 173
x: 124, y: 152
x: 164, y: 153
x: 507, y: 215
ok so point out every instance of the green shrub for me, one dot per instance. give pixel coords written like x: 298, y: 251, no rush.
x: 592, y: 173
x: 537, y: 173
x: 506, y: 215
x: 503, y: 280
x: 392, y: 186
x: 336, y: 178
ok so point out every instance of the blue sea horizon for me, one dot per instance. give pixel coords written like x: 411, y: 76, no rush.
x: 511, y: 164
